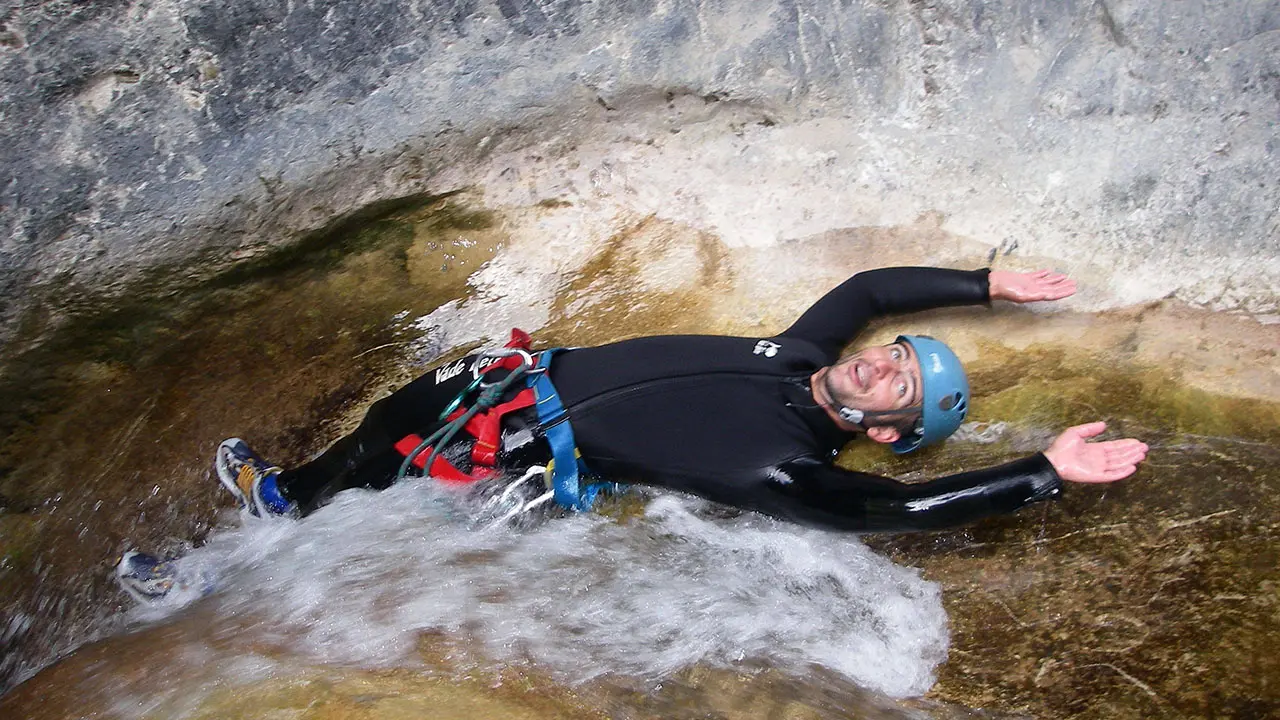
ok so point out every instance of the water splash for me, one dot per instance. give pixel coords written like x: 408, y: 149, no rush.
x: 359, y: 581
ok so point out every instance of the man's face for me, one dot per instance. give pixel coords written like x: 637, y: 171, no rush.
x: 883, y: 377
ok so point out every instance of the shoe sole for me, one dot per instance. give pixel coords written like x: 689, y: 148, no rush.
x: 222, y: 468
x: 133, y: 587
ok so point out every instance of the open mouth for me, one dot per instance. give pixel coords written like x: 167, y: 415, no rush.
x: 858, y: 373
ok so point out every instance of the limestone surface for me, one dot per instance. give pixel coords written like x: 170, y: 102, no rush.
x: 158, y: 141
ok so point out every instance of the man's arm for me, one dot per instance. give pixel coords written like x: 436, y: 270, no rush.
x: 841, y: 314
x: 821, y: 495
x: 816, y: 493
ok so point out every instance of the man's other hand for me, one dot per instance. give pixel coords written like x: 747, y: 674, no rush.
x: 1030, y: 287
x: 1077, y: 460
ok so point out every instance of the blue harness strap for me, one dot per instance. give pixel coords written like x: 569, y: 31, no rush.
x: 568, y: 468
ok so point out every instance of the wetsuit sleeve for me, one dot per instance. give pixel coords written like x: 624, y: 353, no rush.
x: 816, y: 493
x: 841, y: 314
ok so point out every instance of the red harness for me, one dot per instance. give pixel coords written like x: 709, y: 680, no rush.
x: 486, y: 427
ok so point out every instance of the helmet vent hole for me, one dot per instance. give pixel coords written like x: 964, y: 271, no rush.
x: 951, y: 401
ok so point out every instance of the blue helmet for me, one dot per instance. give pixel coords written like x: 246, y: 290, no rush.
x: 945, y: 396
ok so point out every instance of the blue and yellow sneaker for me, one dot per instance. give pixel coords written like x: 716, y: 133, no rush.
x: 145, y: 577
x: 250, y: 479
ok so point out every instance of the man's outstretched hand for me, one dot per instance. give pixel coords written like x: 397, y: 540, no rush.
x: 1078, y: 460
x: 1030, y: 287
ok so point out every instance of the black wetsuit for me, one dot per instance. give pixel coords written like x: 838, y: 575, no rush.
x: 727, y: 418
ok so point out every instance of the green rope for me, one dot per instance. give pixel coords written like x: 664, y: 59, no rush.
x: 489, y: 396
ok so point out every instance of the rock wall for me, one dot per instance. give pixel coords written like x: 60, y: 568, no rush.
x: 1133, y: 144
x: 159, y: 140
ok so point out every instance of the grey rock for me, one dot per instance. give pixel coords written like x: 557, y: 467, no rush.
x: 158, y: 133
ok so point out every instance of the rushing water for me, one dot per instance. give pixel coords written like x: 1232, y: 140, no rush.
x: 584, y: 595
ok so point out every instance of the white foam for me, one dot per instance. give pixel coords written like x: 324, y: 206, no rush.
x: 358, y: 581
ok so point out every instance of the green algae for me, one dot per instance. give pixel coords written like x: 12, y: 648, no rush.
x: 1055, y: 385
x: 19, y: 539
x: 107, y: 422
x: 142, y: 329
x: 1151, y: 597
x: 145, y: 332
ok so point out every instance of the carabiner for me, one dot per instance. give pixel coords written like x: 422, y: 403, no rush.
x: 457, y: 401
x: 526, y: 362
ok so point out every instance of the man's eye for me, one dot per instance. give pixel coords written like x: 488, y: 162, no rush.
x: 896, y: 354
x: 902, y: 389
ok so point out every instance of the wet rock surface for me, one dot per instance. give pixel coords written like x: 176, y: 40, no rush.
x: 190, y: 249
x: 146, y: 135
x: 1153, y: 597
x: 108, y: 428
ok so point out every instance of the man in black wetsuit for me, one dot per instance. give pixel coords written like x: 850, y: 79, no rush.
x: 749, y: 422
